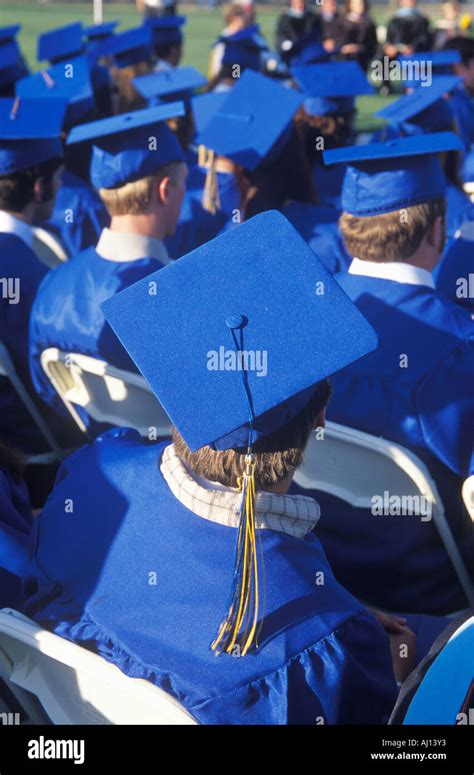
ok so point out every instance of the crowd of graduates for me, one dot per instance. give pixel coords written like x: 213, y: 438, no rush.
x: 166, y: 223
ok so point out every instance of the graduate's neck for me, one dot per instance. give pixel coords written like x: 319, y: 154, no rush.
x: 146, y: 225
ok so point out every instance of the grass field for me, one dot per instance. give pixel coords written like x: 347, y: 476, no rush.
x: 202, y: 28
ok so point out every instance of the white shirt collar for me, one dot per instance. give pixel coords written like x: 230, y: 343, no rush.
x: 119, y: 246
x: 295, y: 515
x: 397, y: 271
x: 12, y: 225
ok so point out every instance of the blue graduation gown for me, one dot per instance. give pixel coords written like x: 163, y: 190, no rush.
x: 67, y: 315
x: 18, y: 262
x: 318, y: 225
x: 196, y: 225
x: 459, y: 209
x: 91, y: 580
x: 454, y: 275
x: 88, y: 213
x: 399, y: 561
x: 328, y: 183
x: 16, y: 521
x: 462, y: 105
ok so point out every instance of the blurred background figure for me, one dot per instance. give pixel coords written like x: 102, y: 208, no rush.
x: 409, y: 31
x: 359, y: 34
x: 296, y: 22
x: 234, y: 21
x: 332, y: 23
x: 451, y: 24
x: 156, y: 7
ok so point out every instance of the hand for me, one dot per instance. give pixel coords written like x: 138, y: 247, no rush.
x: 350, y: 48
x: 390, y: 50
x: 402, y: 643
x: 329, y: 44
x: 391, y: 624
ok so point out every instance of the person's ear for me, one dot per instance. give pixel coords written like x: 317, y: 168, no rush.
x: 38, y: 190
x: 164, y: 190
x: 320, y: 420
x: 436, y: 234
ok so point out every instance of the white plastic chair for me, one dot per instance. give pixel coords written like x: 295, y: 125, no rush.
x: 353, y: 465
x: 7, y: 369
x: 109, y: 395
x: 74, y: 685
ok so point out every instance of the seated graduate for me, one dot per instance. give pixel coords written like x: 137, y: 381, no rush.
x: 416, y: 389
x: 138, y: 168
x: 271, y: 168
x: 16, y: 521
x: 462, y: 98
x: 296, y: 22
x: 78, y: 215
x: 142, y: 572
x: 235, y: 20
x: 131, y: 54
x: 167, y: 40
x: 30, y: 165
x: 326, y: 118
x: 332, y: 21
x: 426, y: 109
x: 408, y: 31
x: 12, y: 63
x: 454, y: 276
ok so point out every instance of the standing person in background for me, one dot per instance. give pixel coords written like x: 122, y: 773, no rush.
x: 156, y: 7
x: 451, y: 24
x: 235, y: 21
x: 359, y: 34
x: 296, y: 22
x: 408, y: 32
x: 332, y: 23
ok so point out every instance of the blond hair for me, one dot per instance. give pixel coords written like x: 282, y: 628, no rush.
x: 391, y: 236
x: 135, y: 198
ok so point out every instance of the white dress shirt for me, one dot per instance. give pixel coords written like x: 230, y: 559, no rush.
x: 11, y: 225
x: 120, y: 246
x: 397, y: 271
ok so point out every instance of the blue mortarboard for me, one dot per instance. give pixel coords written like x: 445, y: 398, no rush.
x: 205, y: 106
x: 9, y: 33
x: 100, y: 31
x: 130, y: 146
x: 67, y: 80
x: 30, y: 132
x: 239, y: 292
x: 129, y: 47
x: 424, y: 106
x: 166, y: 30
x: 399, y: 173
x: 330, y: 87
x: 243, y: 48
x: 169, y: 84
x: 440, y: 63
x: 307, y: 50
x: 251, y: 125
x: 61, y: 43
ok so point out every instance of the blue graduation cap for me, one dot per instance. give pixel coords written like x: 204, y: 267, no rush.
x: 399, y: 173
x: 425, y: 106
x: 30, y: 132
x: 205, y: 106
x: 129, y: 47
x: 9, y: 33
x: 70, y: 81
x: 440, y: 62
x: 244, y: 48
x: 99, y: 32
x: 331, y: 87
x: 177, y: 83
x: 253, y: 123
x: 307, y: 50
x: 130, y: 146
x: 238, y: 283
x: 61, y: 43
x: 166, y: 30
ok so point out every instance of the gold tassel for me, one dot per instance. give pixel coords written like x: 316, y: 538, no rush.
x: 239, y: 628
x: 210, y: 196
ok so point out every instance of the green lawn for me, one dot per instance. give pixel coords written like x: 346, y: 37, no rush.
x: 202, y: 28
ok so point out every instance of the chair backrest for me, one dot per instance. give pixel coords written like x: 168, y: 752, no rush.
x: 445, y: 693
x: 48, y: 248
x: 354, y: 466
x: 8, y: 370
x: 109, y: 395
x: 74, y: 685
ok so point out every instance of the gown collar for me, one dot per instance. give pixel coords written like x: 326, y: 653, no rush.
x: 12, y: 225
x: 295, y: 515
x: 121, y: 247
x: 397, y: 271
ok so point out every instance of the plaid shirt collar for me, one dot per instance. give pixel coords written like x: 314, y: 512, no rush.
x: 295, y: 515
